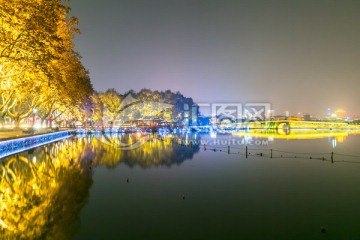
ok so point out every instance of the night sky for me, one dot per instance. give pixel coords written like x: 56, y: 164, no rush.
x: 301, y: 56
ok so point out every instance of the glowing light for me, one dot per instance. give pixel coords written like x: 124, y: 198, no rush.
x: 298, y: 134
x: 38, y: 126
x: 212, y: 133
x: 9, y: 147
x: 334, y: 143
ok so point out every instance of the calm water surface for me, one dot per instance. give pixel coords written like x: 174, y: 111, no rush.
x: 88, y: 188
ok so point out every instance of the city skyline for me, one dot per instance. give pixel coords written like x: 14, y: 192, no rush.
x: 298, y: 56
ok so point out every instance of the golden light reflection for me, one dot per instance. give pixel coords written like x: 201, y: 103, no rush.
x: 42, y: 195
x: 42, y: 192
x: 154, y: 151
x: 105, y: 150
x: 272, y: 125
x: 340, y: 139
x: 340, y: 135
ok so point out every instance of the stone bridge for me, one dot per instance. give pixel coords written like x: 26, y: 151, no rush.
x: 290, y: 124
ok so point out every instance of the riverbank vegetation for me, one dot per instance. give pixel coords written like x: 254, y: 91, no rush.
x: 43, y: 81
x: 40, y: 72
x: 145, y: 105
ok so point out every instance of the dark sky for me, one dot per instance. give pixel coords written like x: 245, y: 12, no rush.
x: 298, y: 55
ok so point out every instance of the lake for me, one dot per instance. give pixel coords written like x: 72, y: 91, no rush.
x: 303, y: 185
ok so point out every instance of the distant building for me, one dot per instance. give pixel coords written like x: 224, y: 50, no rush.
x: 294, y: 118
x: 190, y: 115
x: 340, y: 114
x: 204, y: 120
x: 147, y: 121
x: 279, y: 118
x: 307, y: 117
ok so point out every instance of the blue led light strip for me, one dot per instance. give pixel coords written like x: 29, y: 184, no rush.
x: 13, y: 146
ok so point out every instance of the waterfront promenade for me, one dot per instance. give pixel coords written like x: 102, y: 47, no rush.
x: 6, y: 134
x: 17, y: 141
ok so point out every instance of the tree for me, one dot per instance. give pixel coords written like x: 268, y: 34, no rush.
x: 146, y: 103
x: 98, y: 110
x: 111, y: 100
x: 37, y: 57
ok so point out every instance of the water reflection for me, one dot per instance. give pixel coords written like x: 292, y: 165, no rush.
x: 43, y: 191
x: 154, y: 150
x: 339, y: 135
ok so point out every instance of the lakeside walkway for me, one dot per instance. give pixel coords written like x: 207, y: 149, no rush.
x: 7, y: 134
x: 17, y: 140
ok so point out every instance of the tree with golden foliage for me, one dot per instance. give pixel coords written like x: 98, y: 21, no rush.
x: 38, y: 65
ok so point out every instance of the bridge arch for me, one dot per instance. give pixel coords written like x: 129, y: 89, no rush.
x: 283, y: 127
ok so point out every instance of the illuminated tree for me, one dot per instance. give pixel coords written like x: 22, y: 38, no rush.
x: 164, y: 105
x: 98, y: 110
x: 111, y: 100
x: 38, y: 65
x: 110, y: 106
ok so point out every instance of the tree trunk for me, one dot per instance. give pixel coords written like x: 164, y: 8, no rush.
x: 2, y: 121
x: 17, y: 123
